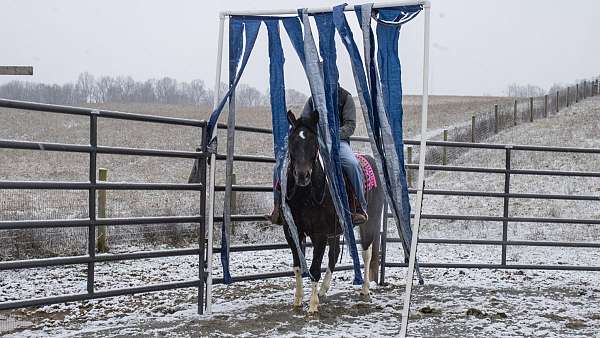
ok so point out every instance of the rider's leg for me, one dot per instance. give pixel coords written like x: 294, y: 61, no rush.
x: 352, y: 170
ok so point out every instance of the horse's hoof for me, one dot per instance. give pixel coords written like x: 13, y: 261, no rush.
x: 313, y: 312
x: 365, y: 297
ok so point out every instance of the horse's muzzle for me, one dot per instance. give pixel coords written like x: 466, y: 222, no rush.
x: 302, y: 177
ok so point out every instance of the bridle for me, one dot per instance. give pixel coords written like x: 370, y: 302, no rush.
x: 318, y: 200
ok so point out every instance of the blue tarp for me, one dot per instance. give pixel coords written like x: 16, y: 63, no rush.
x: 380, y: 92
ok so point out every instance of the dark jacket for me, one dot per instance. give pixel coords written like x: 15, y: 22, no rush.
x: 347, y: 111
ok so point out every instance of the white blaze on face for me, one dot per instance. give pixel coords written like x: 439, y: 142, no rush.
x: 302, y: 135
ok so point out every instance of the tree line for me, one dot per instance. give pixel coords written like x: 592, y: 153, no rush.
x: 124, y: 89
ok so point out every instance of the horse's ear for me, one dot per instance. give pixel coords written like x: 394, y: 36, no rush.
x: 291, y: 117
x: 314, y: 118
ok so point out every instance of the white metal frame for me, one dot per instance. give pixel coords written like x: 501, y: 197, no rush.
x: 425, y: 100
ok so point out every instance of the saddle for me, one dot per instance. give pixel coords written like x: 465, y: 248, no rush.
x: 369, y: 181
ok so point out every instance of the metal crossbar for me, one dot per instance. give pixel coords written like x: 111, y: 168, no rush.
x: 92, y: 186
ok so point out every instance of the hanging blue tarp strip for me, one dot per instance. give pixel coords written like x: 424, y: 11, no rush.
x: 236, y: 28
x: 388, y: 107
x: 280, y: 128
x: 277, y: 90
x: 391, y: 85
x: 324, y: 94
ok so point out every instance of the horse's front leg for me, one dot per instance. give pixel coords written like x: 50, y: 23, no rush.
x: 319, y: 244
x: 299, y: 291
x: 334, y: 253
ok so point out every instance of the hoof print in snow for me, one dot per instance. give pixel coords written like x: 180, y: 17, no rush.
x: 476, y: 313
x: 428, y: 310
x: 499, y: 315
x: 480, y: 314
x: 575, y: 324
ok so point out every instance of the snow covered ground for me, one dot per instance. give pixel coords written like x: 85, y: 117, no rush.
x: 453, y: 302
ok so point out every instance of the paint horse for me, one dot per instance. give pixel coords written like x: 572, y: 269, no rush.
x: 314, y: 214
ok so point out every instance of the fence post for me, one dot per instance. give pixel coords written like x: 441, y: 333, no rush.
x: 506, y: 203
x: 568, y: 94
x: 202, y: 241
x: 409, y: 171
x: 545, y: 105
x: 473, y: 129
x: 102, y: 239
x: 383, y: 246
x: 444, y: 149
x: 496, y: 119
x: 576, y: 92
x: 233, y: 202
x: 531, y: 109
x: 557, y: 100
x: 515, y: 113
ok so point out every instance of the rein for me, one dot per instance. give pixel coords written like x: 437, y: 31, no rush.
x: 318, y: 200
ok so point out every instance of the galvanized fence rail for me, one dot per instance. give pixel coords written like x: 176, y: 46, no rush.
x: 92, y: 221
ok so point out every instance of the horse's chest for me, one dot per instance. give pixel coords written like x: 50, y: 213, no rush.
x: 314, y: 219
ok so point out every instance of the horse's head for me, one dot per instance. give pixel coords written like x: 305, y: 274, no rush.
x: 303, y: 146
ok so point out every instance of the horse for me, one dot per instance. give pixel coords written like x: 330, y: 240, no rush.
x: 314, y: 214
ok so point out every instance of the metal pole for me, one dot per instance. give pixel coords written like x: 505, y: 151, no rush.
x: 322, y: 9
x: 202, y: 230
x: 383, y: 245
x: 102, y: 241
x: 92, y: 201
x: 211, y: 185
x: 419, y: 200
x: 506, y: 203
x: 409, y: 172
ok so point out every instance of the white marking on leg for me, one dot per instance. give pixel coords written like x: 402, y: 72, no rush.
x: 326, y: 283
x: 367, y: 262
x: 314, y: 299
x: 299, y: 287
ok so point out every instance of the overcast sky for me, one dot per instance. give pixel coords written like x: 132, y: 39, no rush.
x: 478, y: 46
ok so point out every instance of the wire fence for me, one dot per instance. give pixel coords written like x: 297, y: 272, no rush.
x: 497, y: 118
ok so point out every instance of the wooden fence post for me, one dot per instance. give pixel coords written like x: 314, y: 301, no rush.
x: 531, y: 109
x: 576, y: 92
x: 557, y: 101
x: 496, y: 120
x: 515, y: 113
x: 102, y: 238
x: 409, y: 171
x: 445, y: 150
x: 473, y: 129
x: 568, y: 94
x: 545, y: 105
